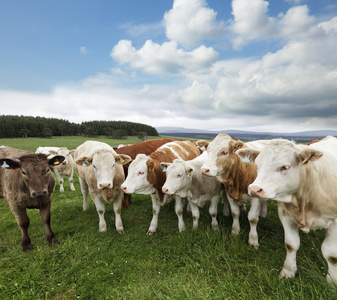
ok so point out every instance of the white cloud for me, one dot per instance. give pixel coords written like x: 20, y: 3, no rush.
x: 190, y: 21
x: 83, y: 50
x: 166, y: 58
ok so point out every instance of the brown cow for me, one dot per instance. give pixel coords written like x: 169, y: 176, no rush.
x: 146, y: 148
x: 146, y: 177
x: 236, y: 176
x: 27, y: 182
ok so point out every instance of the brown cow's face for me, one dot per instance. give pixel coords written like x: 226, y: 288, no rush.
x: 35, y: 172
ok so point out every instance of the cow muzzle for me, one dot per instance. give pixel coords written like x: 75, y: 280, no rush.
x: 255, y: 191
x: 104, y: 186
x: 39, y: 194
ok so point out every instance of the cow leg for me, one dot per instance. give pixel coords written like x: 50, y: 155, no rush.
x: 213, y: 211
x: 195, y: 213
x: 60, y: 180
x: 253, y: 217
x: 330, y: 252
x: 71, y: 180
x: 117, y: 209
x: 23, y: 222
x: 45, y: 217
x: 154, y: 222
x: 179, y: 211
x: 292, y: 243
x: 84, y: 190
x: 126, y: 201
x: 235, y: 209
x: 100, y: 207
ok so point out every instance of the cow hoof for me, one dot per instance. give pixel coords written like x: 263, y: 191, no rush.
x: 28, y: 248
x: 121, y: 231
x: 149, y: 232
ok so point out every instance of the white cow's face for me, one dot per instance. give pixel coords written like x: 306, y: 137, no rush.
x: 278, y: 172
x: 67, y: 154
x: 217, y: 148
x: 103, y: 163
x: 178, y: 178
x: 137, y: 181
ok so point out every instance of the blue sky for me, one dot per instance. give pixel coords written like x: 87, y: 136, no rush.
x: 241, y: 64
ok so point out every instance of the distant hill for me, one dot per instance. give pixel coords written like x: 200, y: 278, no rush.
x: 303, y: 136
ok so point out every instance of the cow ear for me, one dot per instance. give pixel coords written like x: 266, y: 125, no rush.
x: 123, y: 159
x: 72, y: 151
x: 189, y: 171
x: 308, y: 155
x: 150, y: 165
x: 53, y: 152
x: 84, y: 161
x: 248, y: 153
x: 164, y: 166
x: 56, y: 160
x: 202, y: 145
x: 235, y: 145
x: 7, y: 163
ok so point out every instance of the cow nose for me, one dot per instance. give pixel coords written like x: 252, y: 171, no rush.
x: 124, y: 188
x: 255, y: 191
x: 205, y: 171
x: 39, y: 194
x: 103, y: 186
x: 165, y: 190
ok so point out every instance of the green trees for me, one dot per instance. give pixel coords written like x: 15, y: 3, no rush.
x: 22, y: 126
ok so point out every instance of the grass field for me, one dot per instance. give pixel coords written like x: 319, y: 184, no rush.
x: 196, y: 264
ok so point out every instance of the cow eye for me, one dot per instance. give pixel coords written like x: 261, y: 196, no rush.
x: 94, y: 166
x: 223, y: 153
x: 24, y: 173
x: 140, y: 173
x: 180, y: 175
x: 47, y: 171
x: 284, y: 168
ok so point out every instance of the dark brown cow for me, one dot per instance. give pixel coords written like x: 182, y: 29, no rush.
x: 146, y: 148
x: 27, y: 182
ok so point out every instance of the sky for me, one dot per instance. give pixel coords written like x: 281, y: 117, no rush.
x: 206, y: 64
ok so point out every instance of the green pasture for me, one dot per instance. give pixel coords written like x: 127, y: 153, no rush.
x: 196, y: 264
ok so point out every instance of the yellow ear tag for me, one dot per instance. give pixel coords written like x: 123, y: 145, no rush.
x: 56, y: 162
x: 122, y: 160
x: 190, y: 173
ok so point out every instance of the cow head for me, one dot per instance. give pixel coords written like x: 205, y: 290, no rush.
x: 103, y: 163
x: 217, y: 150
x: 35, y: 171
x: 279, y: 168
x: 178, y: 177
x: 139, y: 173
x: 63, y: 151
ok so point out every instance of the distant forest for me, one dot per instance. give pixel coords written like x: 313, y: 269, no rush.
x: 23, y: 126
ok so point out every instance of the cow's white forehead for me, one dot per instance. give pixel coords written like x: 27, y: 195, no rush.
x: 277, y: 151
x: 176, y: 166
x: 104, y: 156
x: 221, y: 141
x: 140, y: 160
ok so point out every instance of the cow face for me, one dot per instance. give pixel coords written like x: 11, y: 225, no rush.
x: 217, y: 151
x: 137, y: 179
x: 103, y: 163
x: 35, y: 172
x: 279, y: 167
x: 178, y: 178
x: 64, y: 152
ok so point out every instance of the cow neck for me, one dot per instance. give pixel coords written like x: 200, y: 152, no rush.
x: 157, y: 178
x: 239, y: 176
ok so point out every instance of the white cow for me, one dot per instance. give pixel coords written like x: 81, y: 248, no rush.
x: 184, y: 178
x: 303, y: 179
x: 100, y: 172
x: 64, y: 169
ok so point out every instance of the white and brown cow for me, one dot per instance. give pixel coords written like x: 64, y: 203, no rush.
x: 99, y: 169
x: 146, y: 177
x: 184, y: 178
x: 236, y: 175
x: 64, y: 169
x: 303, y: 179
x: 27, y: 182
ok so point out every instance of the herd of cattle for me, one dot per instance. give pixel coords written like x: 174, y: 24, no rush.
x: 301, y: 178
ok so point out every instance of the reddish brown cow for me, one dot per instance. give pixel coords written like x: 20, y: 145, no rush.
x: 27, y: 182
x: 146, y: 148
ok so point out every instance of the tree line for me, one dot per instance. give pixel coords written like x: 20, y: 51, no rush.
x: 23, y: 126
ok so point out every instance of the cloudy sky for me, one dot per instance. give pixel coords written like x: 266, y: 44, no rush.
x: 206, y: 64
